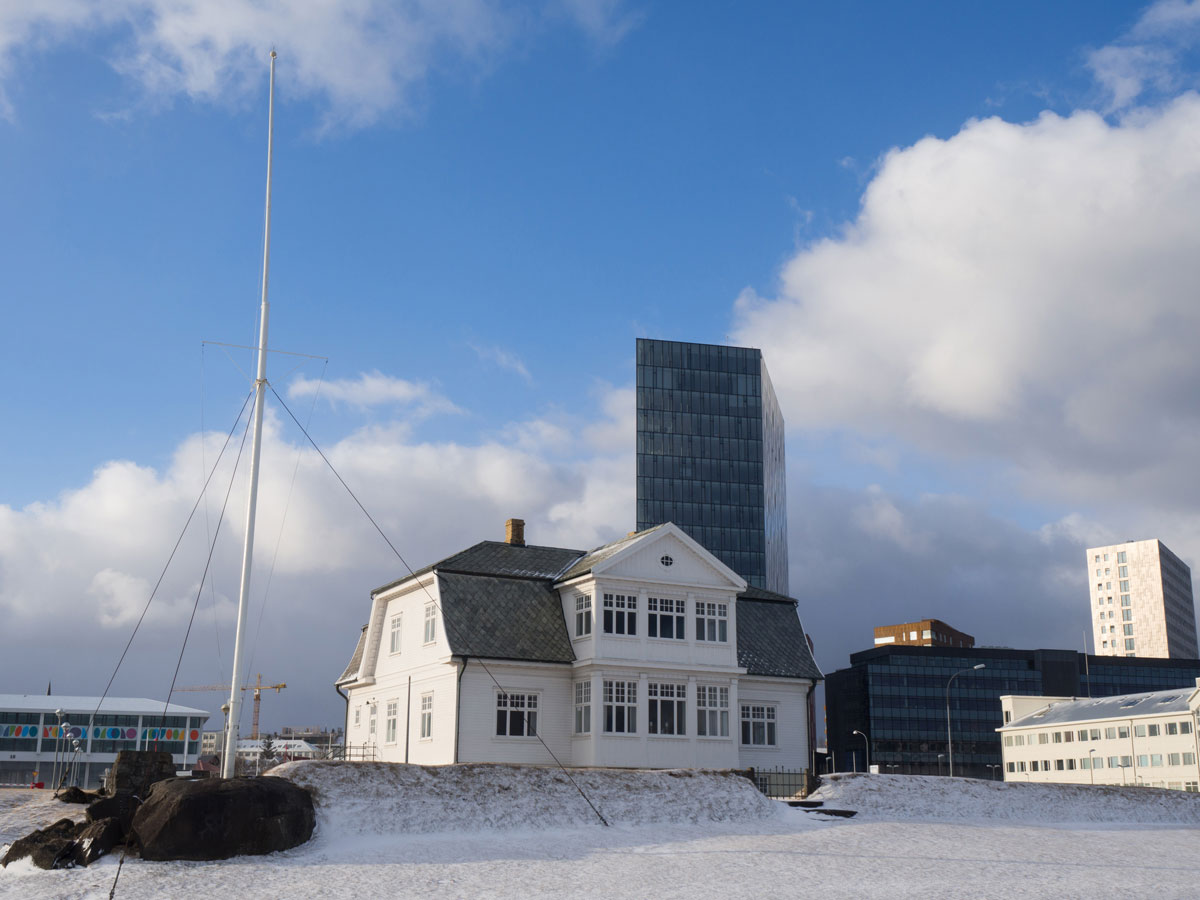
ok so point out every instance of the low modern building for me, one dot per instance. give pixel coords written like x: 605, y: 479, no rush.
x: 897, y: 696
x: 925, y: 633
x: 39, y: 733
x: 646, y: 652
x: 1135, y: 739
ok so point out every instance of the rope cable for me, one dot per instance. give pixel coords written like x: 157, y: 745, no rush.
x: 447, y: 622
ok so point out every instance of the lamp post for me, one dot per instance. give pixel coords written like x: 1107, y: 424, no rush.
x: 993, y: 767
x: 1122, y: 767
x: 941, y: 756
x: 892, y: 768
x: 866, y: 745
x: 1092, y: 764
x: 949, y: 736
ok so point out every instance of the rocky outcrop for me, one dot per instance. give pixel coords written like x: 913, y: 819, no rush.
x: 136, y: 770
x: 218, y: 818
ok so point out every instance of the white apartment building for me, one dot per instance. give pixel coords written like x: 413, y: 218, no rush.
x: 1147, y: 739
x: 1141, y: 601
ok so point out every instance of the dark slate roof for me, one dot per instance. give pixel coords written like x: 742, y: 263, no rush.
x: 770, y: 638
x: 597, y: 556
x: 503, y: 618
x: 1151, y: 703
x: 502, y: 560
x: 355, y: 659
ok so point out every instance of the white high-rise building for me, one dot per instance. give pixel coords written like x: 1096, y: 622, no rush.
x: 1141, y: 601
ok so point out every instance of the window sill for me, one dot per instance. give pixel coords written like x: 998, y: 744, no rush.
x: 667, y: 737
x: 519, y: 738
x: 620, y: 734
x: 622, y: 637
x: 758, y: 746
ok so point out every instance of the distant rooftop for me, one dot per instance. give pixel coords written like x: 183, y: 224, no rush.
x: 1152, y: 703
x: 129, y: 706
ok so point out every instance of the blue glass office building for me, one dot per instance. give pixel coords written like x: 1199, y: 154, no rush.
x: 897, y: 696
x: 710, y: 454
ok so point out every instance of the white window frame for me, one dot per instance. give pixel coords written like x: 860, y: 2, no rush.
x: 712, y: 621
x: 759, y: 720
x: 620, y: 614
x: 516, y: 714
x: 389, y: 722
x: 583, y: 615
x: 427, y: 716
x: 396, y: 631
x: 666, y: 708
x: 583, y: 707
x: 620, y: 706
x: 666, y: 610
x: 712, y: 711
x: 357, y: 716
x: 430, y: 623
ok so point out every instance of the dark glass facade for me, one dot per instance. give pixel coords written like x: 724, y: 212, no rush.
x: 897, y: 698
x: 710, y: 454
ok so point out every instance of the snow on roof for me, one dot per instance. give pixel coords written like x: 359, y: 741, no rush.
x: 130, y: 706
x: 1151, y: 703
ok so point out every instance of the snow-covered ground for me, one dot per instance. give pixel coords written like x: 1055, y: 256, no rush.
x: 913, y: 837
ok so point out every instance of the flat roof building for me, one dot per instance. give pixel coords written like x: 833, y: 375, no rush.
x: 896, y: 696
x: 924, y: 633
x: 36, y: 745
x: 710, y: 454
x: 1143, y: 739
x: 1141, y: 601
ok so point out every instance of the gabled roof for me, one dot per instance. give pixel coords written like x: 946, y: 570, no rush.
x: 352, y: 667
x: 1152, y: 703
x: 503, y: 618
x: 502, y: 560
x: 770, y: 638
x: 589, y: 561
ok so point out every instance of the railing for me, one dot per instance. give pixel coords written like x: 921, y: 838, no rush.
x: 784, y: 784
x: 366, y: 752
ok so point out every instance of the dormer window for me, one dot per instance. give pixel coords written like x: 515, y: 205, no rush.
x: 583, y: 616
x: 665, y: 618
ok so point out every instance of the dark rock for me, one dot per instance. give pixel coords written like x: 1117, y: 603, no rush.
x: 120, y: 806
x: 74, y: 794
x: 96, y: 840
x: 216, y: 818
x: 136, y: 770
x: 49, y: 848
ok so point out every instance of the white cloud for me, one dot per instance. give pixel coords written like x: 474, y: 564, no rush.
x: 1148, y: 56
x: 361, y: 59
x: 375, y: 389
x: 1022, y: 294
x: 505, y: 359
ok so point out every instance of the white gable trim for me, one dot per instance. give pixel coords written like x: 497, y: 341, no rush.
x: 736, y: 582
x: 426, y: 584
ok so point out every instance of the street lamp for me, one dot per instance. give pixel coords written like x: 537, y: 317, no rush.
x: 1092, y: 764
x: 893, y: 768
x: 949, y: 736
x: 1122, y: 767
x: 993, y: 767
x: 941, y: 756
x: 866, y: 745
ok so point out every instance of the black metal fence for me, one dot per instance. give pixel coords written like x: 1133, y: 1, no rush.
x: 784, y: 784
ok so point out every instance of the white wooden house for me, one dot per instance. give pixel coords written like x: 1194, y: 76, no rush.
x: 647, y: 652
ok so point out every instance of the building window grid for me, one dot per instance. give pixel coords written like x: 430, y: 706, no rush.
x: 394, y: 642
x: 393, y: 707
x: 426, y: 716
x: 430, y: 623
x: 758, y: 725
x: 666, y: 708
x: 620, y: 707
x: 665, y: 618
x: 583, y: 616
x: 712, y: 621
x: 516, y: 715
x: 620, y: 614
x: 712, y: 711
x: 583, y: 707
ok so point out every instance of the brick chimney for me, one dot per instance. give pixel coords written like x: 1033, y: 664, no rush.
x: 514, y: 532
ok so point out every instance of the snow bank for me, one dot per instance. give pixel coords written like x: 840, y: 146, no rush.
x: 393, y: 798
x: 22, y: 810
x: 941, y: 799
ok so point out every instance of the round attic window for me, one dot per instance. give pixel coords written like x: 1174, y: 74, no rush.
x: 667, y: 561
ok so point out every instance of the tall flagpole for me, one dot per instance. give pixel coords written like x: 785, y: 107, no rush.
x: 229, y: 757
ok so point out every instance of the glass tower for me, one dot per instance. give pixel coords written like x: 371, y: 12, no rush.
x: 710, y: 454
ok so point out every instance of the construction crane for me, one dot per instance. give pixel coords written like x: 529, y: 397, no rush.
x: 257, y: 687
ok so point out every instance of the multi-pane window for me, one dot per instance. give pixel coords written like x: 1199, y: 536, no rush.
x: 620, y: 707
x: 712, y: 711
x: 357, y: 715
x: 1124, y: 599
x: 394, y: 644
x: 1122, y: 731
x: 1185, y: 727
x: 1143, y: 760
x: 1129, y: 643
x: 1152, y: 730
x: 1139, y: 730
x: 620, y: 614
x: 1127, y: 615
x: 390, y: 721
x: 1172, y: 759
x: 516, y: 715
x: 583, y: 707
x: 371, y: 722
x: 583, y: 616
x: 430, y: 623
x: 667, y: 707
x: 1098, y: 763
x: 1121, y: 557
x: 712, y: 621
x: 1128, y: 629
x: 758, y: 725
x: 1125, y: 587
x: 427, y: 715
x: 665, y: 619
x: 1172, y: 728
x: 1189, y: 759
x: 1123, y: 571
x: 1095, y: 734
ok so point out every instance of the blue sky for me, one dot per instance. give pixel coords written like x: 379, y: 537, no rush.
x: 959, y: 232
